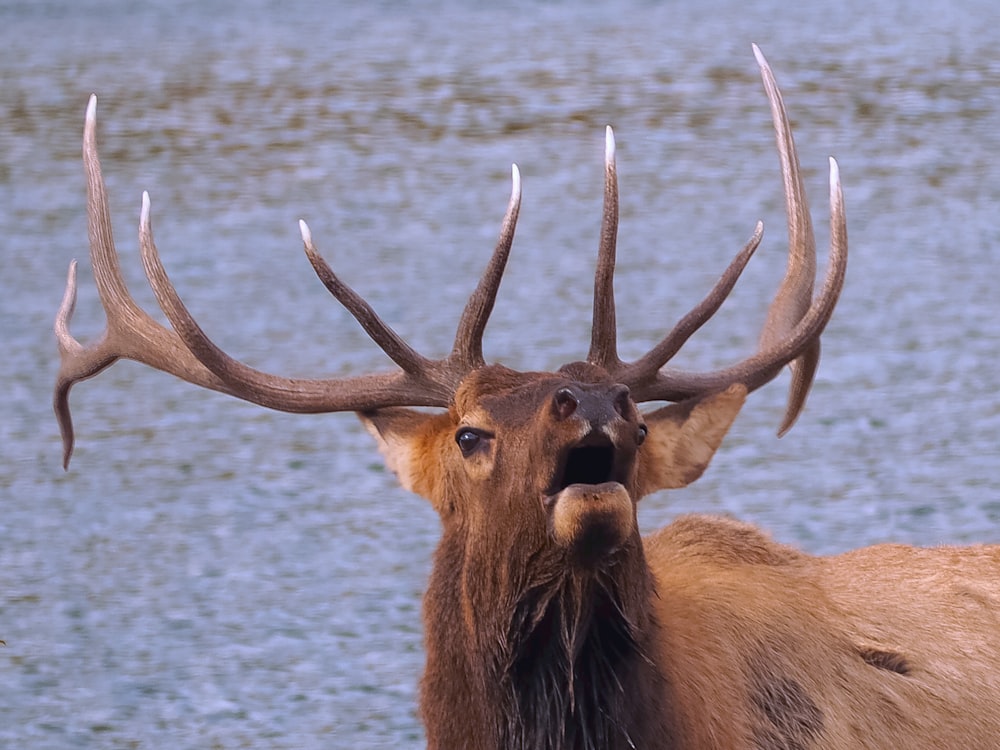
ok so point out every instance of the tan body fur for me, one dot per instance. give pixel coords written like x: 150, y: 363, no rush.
x: 883, y: 647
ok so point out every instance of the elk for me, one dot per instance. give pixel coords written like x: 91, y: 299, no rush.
x: 550, y: 622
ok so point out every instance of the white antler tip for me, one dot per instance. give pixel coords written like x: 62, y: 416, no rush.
x: 609, y: 145
x: 515, y: 179
x: 307, y: 237
x: 761, y: 60
x: 834, y: 173
x: 144, y: 211
x: 92, y: 108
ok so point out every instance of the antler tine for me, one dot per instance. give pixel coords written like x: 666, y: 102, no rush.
x: 603, y: 335
x: 129, y: 332
x: 755, y: 371
x: 467, y: 351
x: 795, y: 292
x: 649, y: 364
x: 388, y: 340
x: 70, y: 351
x: 409, y: 388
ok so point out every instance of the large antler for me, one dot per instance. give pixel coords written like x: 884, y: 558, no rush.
x: 189, y: 354
x: 794, y: 321
x: 791, y: 333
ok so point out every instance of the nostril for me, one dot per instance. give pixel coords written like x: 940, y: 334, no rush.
x: 623, y: 401
x: 565, y: 403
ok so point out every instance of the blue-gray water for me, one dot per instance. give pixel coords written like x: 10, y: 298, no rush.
x: 212, y: 575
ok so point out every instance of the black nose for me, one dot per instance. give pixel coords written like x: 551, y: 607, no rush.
x: 597, y: 405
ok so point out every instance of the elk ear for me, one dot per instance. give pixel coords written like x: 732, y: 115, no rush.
x: 683, y: 437
x: 410, y: 442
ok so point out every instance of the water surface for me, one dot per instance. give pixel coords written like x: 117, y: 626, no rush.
x: 210, y: 574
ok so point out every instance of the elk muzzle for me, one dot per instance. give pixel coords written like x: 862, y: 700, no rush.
x: 591, y: 513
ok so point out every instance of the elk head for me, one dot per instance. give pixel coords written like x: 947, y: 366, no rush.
x: 536, y: 476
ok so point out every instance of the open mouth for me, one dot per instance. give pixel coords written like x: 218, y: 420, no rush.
x: 591, y: 461
x: 589, y: 508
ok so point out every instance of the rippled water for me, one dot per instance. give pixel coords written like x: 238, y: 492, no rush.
x: 209, y: 574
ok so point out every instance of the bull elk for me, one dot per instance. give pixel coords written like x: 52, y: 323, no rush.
x: 549, y: 621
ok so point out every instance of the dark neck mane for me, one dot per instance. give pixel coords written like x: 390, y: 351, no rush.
x: 576, y: 674
x: 551, y: 658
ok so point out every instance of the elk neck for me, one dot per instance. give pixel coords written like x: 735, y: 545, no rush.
x: 545, y: 654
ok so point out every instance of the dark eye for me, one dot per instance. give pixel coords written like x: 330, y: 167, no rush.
x: 641, y: 437
x: 468, y: 440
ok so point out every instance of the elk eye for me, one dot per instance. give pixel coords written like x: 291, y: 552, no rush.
x: 468, y: 440
x: 641, y: 437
